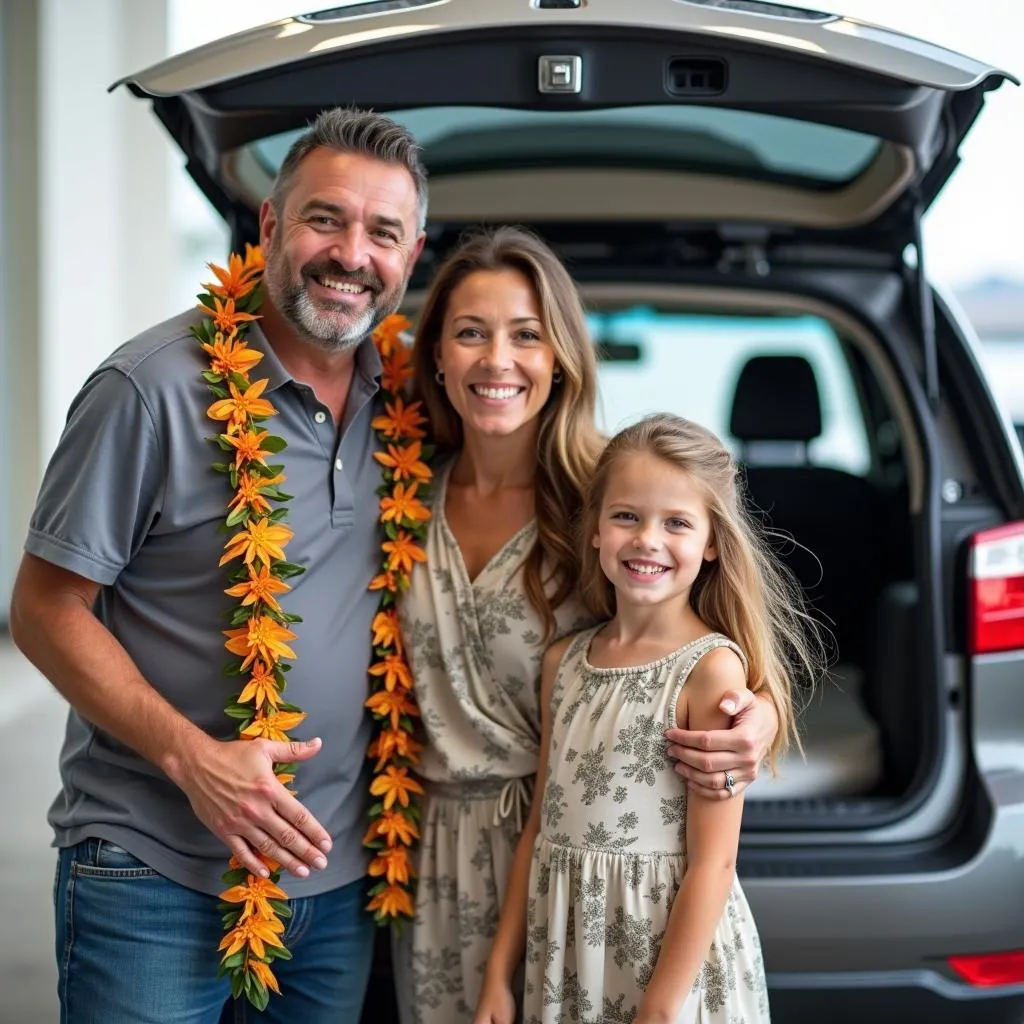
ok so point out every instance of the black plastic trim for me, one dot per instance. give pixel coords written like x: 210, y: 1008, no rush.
x: 890, y: 996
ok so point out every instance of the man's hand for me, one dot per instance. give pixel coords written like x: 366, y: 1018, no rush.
x: 233, y: 791
x: 704, y: 758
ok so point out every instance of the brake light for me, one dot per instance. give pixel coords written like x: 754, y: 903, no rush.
x: 997, y: 589
x: 990, y: 968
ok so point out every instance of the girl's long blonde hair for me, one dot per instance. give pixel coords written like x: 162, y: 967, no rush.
x: 745, y: 593
x: 568, y: 441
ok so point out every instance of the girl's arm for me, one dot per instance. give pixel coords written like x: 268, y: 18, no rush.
x: 497, y: 1003
x: 712, y: 839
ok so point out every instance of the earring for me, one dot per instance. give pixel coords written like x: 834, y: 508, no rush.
x: 439, y: 377
x: 556, y: 377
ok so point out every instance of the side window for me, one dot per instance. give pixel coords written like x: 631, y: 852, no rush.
x: 665, y: 361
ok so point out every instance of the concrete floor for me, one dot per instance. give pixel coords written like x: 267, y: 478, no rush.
x: 31, y: 729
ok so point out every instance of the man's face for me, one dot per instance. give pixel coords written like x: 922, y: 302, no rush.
x: 340, y: 251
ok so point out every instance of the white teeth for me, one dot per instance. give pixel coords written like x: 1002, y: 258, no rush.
x: 485, y: 392
x: 342, y: 286
x: 646, y: 570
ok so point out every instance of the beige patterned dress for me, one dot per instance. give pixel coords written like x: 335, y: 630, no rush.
x: 475, y: 649
x: 611, y: 854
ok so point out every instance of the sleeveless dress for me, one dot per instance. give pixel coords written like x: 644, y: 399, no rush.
x: 475, y: 650
x: 611, y: 854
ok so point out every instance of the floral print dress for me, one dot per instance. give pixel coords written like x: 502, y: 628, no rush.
x: 475, y: 649
x: 611, y: 854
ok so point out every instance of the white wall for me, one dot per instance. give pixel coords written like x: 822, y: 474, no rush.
x: 85, y: 220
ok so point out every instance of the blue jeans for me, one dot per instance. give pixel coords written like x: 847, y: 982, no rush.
x: 134, y: 947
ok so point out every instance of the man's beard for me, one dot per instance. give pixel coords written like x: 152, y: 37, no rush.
x: 318, y: 321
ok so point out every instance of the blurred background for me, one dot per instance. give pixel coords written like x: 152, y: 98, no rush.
x: 102, y: 234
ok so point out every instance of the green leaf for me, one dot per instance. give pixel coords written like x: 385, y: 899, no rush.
x: 206, y: 299
x: 236, y: 876
x: 275, y: 470
x: 377, y: 809
x: 281, y: 908
x: 241, y: 712
x: 274, y: 444
x: 258, y: 994
x: 292, y: 617
x: 235, y: 960
x: 237, y: 982
x: 219, y: 390
x: 240, y: 514
x: 232, y: 669
x: 275, y: 494
x: 378, y: 888
x: 230, y: 920
x: 285, y: 706
x: 278, y: 515
x: 278, y: 953
x: 240, y: 616
x: 286, y: 767
x: 285, y: 570
x: 211, y: 377
x: 389, y: 529
x: 222, y: 467
x: 217, y: 439
x: 239, y: 381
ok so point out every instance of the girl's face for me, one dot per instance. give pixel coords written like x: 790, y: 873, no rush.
x: 496, y: 358
x: 653, y: 531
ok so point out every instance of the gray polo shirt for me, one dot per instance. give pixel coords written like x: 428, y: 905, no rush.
x: 129, y: 500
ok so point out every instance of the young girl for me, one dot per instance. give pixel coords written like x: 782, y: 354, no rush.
x: 632, y: 907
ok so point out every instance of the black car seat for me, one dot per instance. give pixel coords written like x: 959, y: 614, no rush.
x: 831, y: 515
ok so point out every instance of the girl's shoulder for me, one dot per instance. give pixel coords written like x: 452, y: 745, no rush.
x: 718, y: 664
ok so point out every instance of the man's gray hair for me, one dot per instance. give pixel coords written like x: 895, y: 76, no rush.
x: 351, y: 130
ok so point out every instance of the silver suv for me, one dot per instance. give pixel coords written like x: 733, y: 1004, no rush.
x: 738, y: 187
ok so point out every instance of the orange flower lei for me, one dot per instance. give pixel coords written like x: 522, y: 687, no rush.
x: 394, y: 819
x: 254, y: 909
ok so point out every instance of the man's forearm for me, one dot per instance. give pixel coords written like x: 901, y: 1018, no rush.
x: 93, y: 672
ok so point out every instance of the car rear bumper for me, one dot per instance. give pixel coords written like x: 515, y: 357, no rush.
x: 890, y: 997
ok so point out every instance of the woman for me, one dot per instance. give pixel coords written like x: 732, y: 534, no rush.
x: 508, y: 376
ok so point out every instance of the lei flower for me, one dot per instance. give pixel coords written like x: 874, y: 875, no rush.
x: 255, y: 909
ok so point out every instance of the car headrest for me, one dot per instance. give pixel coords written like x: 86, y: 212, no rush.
x: 776, y: 400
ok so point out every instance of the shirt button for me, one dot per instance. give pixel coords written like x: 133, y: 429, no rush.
x: 338, y: 465
x: 320, y: 416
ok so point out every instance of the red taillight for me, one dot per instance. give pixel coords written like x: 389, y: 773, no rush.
x: 997, y: 589
x: 990, y: 968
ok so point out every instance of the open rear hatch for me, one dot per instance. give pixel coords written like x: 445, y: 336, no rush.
x: 707, y: 121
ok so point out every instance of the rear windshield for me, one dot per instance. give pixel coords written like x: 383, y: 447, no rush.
x: 654, y: 360
x: 706, y: 139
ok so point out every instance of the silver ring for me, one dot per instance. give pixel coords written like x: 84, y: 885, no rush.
x: 730, y: 783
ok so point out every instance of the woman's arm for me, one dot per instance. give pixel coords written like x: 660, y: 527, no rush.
x: 712, y: 839
x: 497, y: 1003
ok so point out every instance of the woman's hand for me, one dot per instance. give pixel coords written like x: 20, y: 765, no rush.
x: 706, y: 759
x: 496, y: 1005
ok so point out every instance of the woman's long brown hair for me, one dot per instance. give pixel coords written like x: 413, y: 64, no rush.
x: 568, y: 441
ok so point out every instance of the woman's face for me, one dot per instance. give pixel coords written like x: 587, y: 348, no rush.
x: 494, y: 352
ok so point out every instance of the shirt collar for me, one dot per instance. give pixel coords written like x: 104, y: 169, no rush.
x: 367, y: 361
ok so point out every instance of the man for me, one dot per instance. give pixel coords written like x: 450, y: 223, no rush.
x: 119, y: 602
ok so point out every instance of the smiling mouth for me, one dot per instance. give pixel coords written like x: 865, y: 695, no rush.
x: 646, y: 568
x: 341, y: 287
x: 501, y: 394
